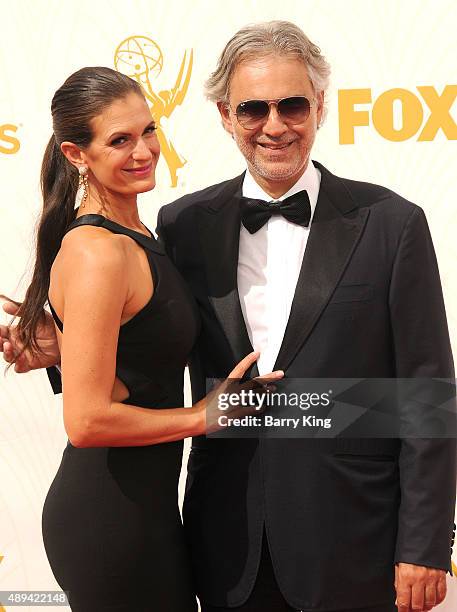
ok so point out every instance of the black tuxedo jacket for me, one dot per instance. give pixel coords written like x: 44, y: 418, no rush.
x: 368, y: 304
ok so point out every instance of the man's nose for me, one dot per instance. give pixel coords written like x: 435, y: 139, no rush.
x: 274, y: 125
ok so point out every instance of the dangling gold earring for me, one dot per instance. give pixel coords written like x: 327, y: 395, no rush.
x: 84, y: 183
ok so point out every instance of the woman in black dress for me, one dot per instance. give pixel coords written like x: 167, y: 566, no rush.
x: 127, y: 323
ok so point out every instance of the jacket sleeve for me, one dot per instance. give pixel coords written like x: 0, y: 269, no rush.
x: 422, y: 350
x: 161, y: 231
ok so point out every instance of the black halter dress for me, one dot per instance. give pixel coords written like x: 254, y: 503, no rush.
x: 111, y: 523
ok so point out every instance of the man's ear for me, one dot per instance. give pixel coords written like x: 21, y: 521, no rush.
x: 320, y: 107
x: 73, y: 153
x: 224, y: 111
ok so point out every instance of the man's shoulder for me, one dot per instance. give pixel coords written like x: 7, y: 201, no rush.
x: 369, y: 193
x: 380, y: 199
x: 203, y: 197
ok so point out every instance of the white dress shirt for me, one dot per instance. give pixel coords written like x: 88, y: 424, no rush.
x: 269, y: 264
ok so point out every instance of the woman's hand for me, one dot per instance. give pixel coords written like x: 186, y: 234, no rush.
x: 209, y: 406
x: 46, y: 338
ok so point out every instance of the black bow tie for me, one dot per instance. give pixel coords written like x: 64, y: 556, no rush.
x: 255, y: 213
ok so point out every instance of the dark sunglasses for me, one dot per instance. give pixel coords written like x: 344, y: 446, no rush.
x: 293, y: 110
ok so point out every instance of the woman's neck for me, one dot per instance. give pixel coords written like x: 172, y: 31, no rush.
x: 116, y: 207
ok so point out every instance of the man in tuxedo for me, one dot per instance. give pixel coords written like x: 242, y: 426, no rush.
x: 326, y: 277
x: 339, y: 281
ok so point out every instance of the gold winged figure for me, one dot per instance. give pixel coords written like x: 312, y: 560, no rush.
x: 141, y: 58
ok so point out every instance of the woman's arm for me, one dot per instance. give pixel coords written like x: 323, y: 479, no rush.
x: 94, y: 278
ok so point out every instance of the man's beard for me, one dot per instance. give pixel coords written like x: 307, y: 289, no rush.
x: 270, y: 170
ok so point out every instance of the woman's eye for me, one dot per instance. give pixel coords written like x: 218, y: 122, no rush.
x: 123, y: 139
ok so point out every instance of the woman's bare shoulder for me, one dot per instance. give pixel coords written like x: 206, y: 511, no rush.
x: 92, y: 238
x: 89, y: 245
x: 91, y: 256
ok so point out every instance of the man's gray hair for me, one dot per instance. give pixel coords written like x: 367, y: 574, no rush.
x: 260, y: 40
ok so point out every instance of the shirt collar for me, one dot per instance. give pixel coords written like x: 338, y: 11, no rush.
x: 310, y: 180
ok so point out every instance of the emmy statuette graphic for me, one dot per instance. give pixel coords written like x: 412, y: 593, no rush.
x: 141, y: 58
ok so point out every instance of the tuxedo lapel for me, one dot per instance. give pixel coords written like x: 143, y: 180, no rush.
x: 335, y: 231
x: 219, y: 233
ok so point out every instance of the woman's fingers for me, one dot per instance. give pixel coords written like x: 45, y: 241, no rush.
x: 241, y: 368
x: 247, y: 362
x: 267, y: 378
x: 266, y: 381
x: 230, y: 396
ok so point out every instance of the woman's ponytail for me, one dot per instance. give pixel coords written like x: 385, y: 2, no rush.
x: 85, y: 95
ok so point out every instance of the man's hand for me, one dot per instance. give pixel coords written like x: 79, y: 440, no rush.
x: 418, y: 587
x: 46, y: 338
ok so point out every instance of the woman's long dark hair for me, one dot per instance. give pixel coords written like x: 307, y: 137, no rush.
x: 83, y: 96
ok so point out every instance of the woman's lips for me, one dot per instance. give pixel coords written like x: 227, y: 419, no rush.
x: 143, y: 171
